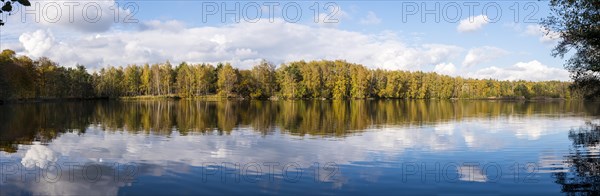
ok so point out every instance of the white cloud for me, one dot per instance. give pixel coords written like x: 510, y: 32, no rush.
x: 242, y: 44
x: 43, y: 43
x: 445, y: 68
x: 370, y: 19
x: 546, y: 36
x: 532, y: 70
x: 472, y: 23
x: 482, y: 55
x: 245, y: 44
x: 37, y: 43
x: 81, y: 15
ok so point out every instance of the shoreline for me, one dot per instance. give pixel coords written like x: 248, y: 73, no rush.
x: 221, y: 98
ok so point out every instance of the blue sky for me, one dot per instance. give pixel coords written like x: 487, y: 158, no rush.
x: 481, y: 39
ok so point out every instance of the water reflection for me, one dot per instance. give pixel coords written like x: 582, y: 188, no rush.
x: 580, y: 173
x: 471, y: 173
x: 43, y: 122
x: 175, y: 145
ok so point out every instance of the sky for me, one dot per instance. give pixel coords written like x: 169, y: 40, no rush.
x: 477, y: 39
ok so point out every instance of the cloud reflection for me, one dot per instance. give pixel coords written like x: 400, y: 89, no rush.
x: 175, y: 152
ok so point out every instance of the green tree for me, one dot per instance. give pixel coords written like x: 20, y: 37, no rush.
x: 577, y: 22
x: 80, y: 82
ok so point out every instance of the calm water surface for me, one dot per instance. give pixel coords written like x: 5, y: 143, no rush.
x: 300, y: 147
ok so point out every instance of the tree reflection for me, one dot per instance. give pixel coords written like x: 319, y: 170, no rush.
x: 583, y: 162
x: 24, y: 123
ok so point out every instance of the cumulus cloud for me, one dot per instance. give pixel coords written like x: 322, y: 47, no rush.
x: 532, y: 70
x: 246, y: 44
x: 370, y: 19
x: 243, y: 44
x: 37, y: 43
x: 43, y: 43
x: 546, y: 36
x: 471, y: 24
x: 445, y: 68
x: 482, y: 54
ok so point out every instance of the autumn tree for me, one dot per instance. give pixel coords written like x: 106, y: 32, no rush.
x: 248, y: 85
x: 185, y: 80
x: 17, y: 76
x: 146, y: 80
x: 312, y: 78
x: 23, y: 78
x: 289, y: 77
x: 360, y: 80
x: 133, y: 80
x: 110, y: 82
x: 205, y: 77
x: 264, y: 75
x: 166, y: 78
x: 227, y: 80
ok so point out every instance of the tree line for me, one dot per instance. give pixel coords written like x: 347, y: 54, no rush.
x: 24, y: 78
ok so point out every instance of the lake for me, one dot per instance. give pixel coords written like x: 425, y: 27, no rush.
x: 300, y: 147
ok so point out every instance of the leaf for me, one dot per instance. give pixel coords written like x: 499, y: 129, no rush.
x: 24, y: 2
x: 7, y: 7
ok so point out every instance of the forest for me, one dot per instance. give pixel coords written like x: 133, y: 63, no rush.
x: 22, y: 78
